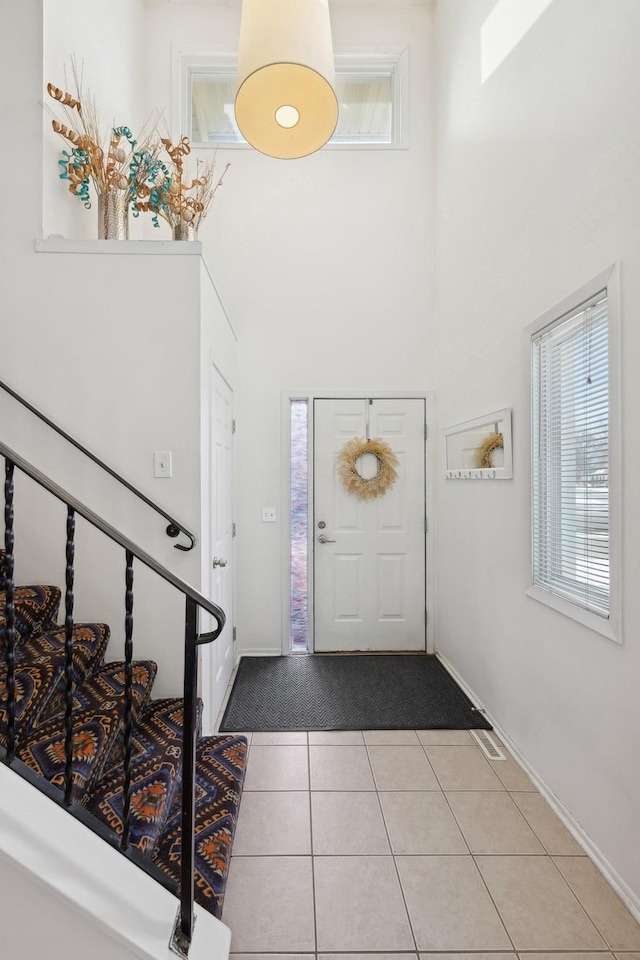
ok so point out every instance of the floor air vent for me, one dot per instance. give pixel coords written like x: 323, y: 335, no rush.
x: 488, y: 745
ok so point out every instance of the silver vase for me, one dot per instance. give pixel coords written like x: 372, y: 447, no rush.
x: 113, y: 215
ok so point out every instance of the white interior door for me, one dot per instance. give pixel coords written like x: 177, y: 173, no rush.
x: 369, y: 573
x: 221, y: 513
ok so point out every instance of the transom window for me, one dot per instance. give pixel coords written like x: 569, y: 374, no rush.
x: 370, y: 86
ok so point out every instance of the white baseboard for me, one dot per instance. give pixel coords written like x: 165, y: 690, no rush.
x: 259, y: 652
x: 626, y: 894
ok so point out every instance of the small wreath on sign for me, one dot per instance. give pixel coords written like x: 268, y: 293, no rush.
x: 356, y: 484
x: 484, y: 453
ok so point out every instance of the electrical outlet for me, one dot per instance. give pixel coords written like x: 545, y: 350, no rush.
x: 268, y: 514
x: 162, y: 466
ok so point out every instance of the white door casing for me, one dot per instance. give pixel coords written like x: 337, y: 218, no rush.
x: 369, y: 585
x: 221, y: 514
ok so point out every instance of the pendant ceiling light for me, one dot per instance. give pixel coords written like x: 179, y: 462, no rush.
x: 285, y: 105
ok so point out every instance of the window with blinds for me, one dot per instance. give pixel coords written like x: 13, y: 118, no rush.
x: 570, y: 457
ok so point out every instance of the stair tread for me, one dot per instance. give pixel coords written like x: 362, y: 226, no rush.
x: 98, y: 711
x: 40, y: 671
x: 156, y: 755
x: 36, y: 609
x: 220, y: 767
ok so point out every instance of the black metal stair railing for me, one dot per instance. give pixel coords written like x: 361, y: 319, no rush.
x: 194, y: 602
x: 174, y: 528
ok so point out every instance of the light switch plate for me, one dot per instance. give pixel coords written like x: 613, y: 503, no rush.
x: 268, y: 514
x: 162, y: 465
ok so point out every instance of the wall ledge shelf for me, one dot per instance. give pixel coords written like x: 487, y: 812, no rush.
x: 173, y: 248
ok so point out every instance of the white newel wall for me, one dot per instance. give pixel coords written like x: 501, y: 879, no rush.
x: 537, y: 193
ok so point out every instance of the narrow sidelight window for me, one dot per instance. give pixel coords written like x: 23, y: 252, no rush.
x: 299, y: 609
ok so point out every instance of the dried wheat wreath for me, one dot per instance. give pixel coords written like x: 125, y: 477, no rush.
x: 495, y: 441
x: 348, y: 471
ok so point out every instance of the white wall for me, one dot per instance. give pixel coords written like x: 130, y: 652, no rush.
x: 105, y: 38
x: 537, y: 193
x: 324, y: 264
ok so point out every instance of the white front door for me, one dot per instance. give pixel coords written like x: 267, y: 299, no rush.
x: 221, y: 513
x: 369, y: 566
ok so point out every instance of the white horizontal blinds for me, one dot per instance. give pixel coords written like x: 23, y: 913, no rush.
x: 366, y: 108
x: 365, y: 114
x: 571, y: 457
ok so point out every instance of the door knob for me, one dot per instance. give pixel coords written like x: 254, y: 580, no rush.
x: 219, y: 563
x: 324, y: 539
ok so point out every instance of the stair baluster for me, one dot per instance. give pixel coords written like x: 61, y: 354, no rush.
x: 70, y: 551
x: 128, y: 677
x: 10, y: 613
x: 183, y: 930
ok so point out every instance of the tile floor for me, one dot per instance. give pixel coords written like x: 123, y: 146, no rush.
x: 401, y: 843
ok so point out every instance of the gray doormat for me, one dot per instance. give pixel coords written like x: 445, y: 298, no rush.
x: 386, y: 692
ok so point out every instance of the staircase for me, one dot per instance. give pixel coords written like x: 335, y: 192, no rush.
x: 153, y: 793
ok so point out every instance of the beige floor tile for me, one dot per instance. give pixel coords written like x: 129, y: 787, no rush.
x: 512, y: 775
x: 272, y: 956
x: 536, y: 905
x: 467, y: 956
x: 359, y: 905
x: 446, y: 738
x: 550, y: 830
x: 268, y: 905
x: 567, y: 956
x: 336, y: 738
x: 627, y: 956
x: 462, y: 768
x: 620, y: 930
x: 292, y: 739
x: 340, y: 768
x: 491, y: 823
x: 277, y: 768
x: 449, y: 906
x: 421, y: 823
x: 391, y: 737
x: 273, y: 824
x: 367, y: 956
x: 348, y: 824
x: 402, y: 768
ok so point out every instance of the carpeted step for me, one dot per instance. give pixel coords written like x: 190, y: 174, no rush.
x: 220, y: 769
x: 36, y: 610
x: 34, y: 683
x: 97, y: 717
x: 156, y: 757
x: 40, y: 673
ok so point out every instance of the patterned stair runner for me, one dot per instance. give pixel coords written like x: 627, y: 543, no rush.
x: 98, y: 712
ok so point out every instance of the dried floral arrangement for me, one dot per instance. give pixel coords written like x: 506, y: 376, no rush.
x: 484, y: 453
x: 181, y: 203
x: 112, y: 162
x: 348, y: 471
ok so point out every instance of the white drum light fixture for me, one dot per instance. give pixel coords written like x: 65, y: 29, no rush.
x: 285, y: 105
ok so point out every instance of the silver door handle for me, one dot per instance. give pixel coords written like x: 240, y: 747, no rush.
x: 219, y: 563
x: 324, y: 539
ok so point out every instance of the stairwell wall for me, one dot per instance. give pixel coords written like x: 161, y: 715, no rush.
x: 537, y: 193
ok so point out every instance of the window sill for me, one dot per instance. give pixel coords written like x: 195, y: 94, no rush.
x: 590, y: 620
x: 174, y: 248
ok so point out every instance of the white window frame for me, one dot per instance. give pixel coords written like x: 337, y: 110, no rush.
x: 610, y: 627
x: 187, y: 63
